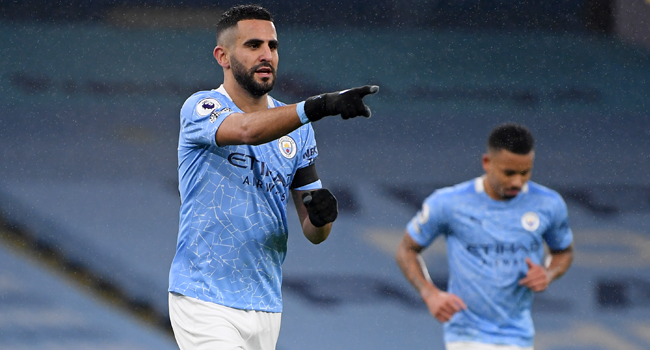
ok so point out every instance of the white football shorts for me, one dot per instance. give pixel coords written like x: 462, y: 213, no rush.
x: 202, y: 325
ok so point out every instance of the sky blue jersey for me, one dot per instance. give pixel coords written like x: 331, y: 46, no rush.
x: 232, y: 237
x: 487, y: 245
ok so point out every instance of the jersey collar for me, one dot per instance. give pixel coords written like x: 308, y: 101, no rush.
x: 222, y: 90
x: 479, y: 187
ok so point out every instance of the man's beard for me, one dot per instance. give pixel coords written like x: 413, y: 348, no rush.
x: 246, y: 79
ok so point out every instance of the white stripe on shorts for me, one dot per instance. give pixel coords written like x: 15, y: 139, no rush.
x: 201, y: 325
x: 468, y: 345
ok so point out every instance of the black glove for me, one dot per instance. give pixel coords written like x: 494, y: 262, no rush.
x: 347, y: 103
x: 321, y: 206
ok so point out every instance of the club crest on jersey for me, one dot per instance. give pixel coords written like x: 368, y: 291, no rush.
x: 530, y: 221
x: 206, y: 106
x: 287, y: 147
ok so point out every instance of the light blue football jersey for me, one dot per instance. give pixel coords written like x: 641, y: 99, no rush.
x: 487, y: 245
x: 232, y: 237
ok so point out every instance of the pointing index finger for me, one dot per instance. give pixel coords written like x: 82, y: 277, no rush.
x: 367, y: 90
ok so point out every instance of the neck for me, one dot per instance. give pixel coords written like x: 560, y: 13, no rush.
x: 243, y: 99
x: 489, y: 190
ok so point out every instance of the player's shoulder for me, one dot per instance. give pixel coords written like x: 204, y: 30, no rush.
x: 211, y: 98
x: 536, y: 189
x: 203, y: 103
x: 450, y: 193
x: 547, y: 199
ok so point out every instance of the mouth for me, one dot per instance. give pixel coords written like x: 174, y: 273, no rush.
x: 264, y: 72
x: 512, y: 191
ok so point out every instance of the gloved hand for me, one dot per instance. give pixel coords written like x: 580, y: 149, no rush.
x: 321, y: 206
x: 347, y: 103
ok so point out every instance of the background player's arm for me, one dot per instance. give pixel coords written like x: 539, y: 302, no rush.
x: 560, y: 262
x: 314, y: 234
x: 442, y: 305
x: 538, y: 277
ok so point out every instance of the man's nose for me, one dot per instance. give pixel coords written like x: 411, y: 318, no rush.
x: 517, y: 181
x: 266, y: 54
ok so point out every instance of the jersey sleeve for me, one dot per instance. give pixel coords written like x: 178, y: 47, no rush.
x: 559, y: 235
x: 429, y: 222
x: 308, y: 155
x: 309, y: 149
x: 201, y: 116
x: 312, y: 186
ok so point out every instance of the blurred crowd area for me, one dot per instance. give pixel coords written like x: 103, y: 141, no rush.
x: 91, y: 93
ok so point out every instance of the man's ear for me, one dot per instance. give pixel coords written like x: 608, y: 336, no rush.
x: 486, y: 162
x: 220, y: 54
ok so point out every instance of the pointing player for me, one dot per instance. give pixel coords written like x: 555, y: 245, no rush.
x: 240, y: 154
x: 495, y: 227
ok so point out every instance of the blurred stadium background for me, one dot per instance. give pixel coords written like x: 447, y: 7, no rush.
x: 90, y: 96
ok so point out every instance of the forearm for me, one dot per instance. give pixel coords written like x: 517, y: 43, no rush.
x: 560, y: 263
x: 315, y: 234
x: 413, y: 268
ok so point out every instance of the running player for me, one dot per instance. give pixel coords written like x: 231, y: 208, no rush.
x: 241, y: 154
x: 495, y: 227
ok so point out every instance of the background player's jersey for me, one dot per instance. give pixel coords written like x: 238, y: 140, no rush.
x: 232, y: 238
x: 487, y: 244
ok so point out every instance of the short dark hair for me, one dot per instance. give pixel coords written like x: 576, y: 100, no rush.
x: 231, y: 16
x: 511, y: 137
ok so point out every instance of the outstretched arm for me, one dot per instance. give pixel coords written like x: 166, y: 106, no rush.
x: 257, y: 128
x: 538, y: 277
x: 260, y: 127
x: 442, y: 305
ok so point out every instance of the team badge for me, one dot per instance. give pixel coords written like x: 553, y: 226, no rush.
x: 287, y: 147
x: 530, y: 221
x: 206, y: 106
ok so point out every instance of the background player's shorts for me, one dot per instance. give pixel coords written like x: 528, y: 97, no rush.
x: 201, y: 325
x: 467, y: 345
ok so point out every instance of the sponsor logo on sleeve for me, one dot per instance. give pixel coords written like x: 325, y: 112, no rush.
x: 530, y: 221
x: 206, y: 106
x: 423, y: 214
x: 287, y: 147
x: 421, y: 218
x: 416, y: 226
x: 215, y: 114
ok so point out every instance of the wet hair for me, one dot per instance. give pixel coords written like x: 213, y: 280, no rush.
x: 511, y: 137
x: 238, y: 13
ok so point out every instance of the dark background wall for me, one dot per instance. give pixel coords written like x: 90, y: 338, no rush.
x: 90, y: 94
x: 575, y: 15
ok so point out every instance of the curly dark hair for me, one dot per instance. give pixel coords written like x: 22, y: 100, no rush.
x: 511, y: 137
x: 238, y: 13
